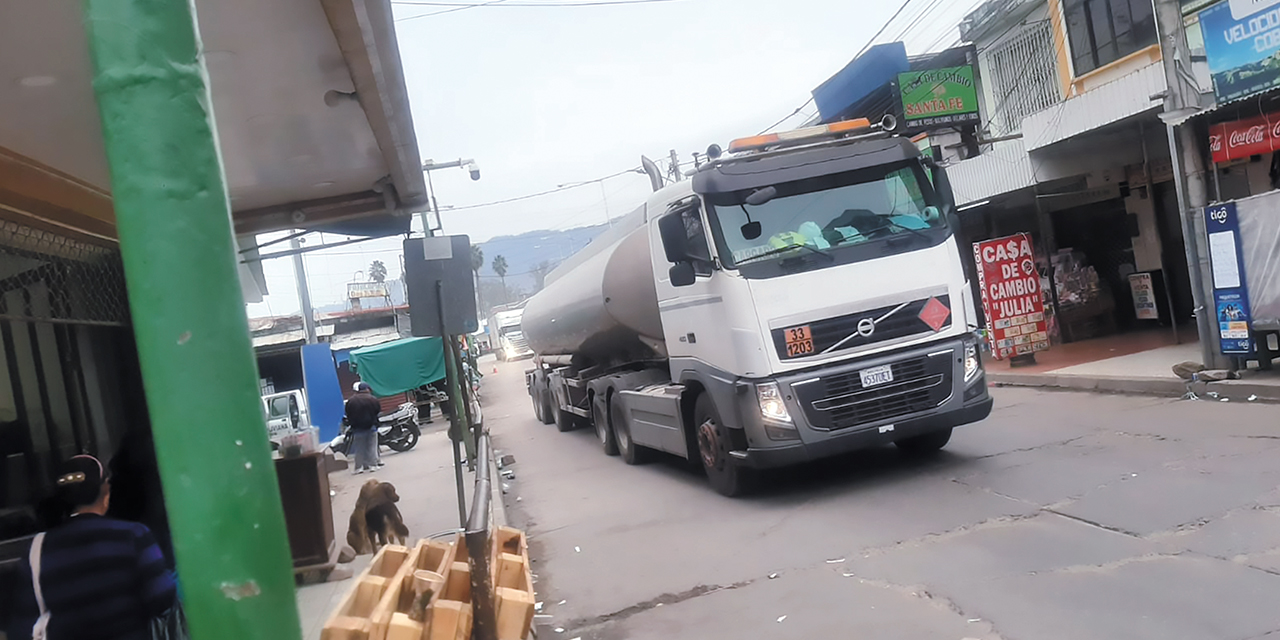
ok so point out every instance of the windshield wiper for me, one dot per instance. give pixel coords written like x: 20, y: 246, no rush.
x: 777, y: 250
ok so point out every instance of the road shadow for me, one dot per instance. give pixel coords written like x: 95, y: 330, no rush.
x: 851, y: 472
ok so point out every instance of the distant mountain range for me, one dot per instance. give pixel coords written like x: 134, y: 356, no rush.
x: 526, y: 251
x: 523, y: 253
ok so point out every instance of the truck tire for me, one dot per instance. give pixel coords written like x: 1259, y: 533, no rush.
x: 544, y: 404
x: 631, y: 452
x: 726, y: 477
x: 604, y: 430
x: 925, y: 443
x: 564, y: 420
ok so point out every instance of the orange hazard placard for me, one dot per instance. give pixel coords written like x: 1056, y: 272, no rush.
x: 1011, y: 297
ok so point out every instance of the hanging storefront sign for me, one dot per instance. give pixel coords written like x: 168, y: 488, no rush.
x: 939, y: 97
x: 1243, y: 50
x: 356, y: 290
x: 1244, y: 138
x: 1144, y: 296
x: 1230, y: 291
x: 1011, y: 299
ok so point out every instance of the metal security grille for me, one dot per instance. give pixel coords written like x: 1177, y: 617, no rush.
x: 1024, y: 78
x: 51, y: 278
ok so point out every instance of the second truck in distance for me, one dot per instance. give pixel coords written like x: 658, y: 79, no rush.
x: 801, y: 297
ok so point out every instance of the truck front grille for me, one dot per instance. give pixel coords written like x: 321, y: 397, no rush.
x: 893, y: 322
x: 840, y: 402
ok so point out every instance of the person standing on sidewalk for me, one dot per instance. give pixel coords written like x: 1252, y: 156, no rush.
x: 92, y: 577
x: 362, y: 415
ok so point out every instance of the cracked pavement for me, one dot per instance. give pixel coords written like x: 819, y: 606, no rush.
x: 1063, y: 515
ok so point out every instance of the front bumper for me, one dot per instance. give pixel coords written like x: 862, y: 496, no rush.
x: 833, y: 414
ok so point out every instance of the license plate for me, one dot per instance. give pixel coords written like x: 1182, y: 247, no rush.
x: 876, y: 375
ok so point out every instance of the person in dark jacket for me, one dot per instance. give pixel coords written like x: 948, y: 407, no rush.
x: 362, y: 415
x: 101, y: 578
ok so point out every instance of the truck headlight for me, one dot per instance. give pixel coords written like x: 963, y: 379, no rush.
x: 772, y: 408
x: 972, y: 362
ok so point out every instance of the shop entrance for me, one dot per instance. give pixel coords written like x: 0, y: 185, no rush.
x: 1092, y: 267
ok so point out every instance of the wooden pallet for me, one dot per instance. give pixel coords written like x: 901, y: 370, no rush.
x: 513, y: 584
x: 427, y: 568
x: 380, y: 604
x: 351, y: 620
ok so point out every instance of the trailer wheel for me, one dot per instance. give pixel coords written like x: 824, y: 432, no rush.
x: 925, y: 443
x: 726, y: 477
x: 604, y: 430
x: 631, y: 452
x: 544, y: 407
x: 564, y: 421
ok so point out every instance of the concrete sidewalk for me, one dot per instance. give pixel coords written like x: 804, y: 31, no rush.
x: 1146, y: 372
x: 424, y: 479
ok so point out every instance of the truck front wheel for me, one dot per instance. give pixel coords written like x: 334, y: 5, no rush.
x: 925, y: 443
x: 726, y: 478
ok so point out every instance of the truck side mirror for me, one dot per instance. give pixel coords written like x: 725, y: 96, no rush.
x: 675, y: 238
x: 682, y: 274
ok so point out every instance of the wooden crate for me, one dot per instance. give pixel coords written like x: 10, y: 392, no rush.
x: 513, y: 584
x: 426, y: 556
x: 352, y: 619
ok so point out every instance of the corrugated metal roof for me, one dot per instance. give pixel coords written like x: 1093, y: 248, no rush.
x: 1006, y: 167
x: 364, y: 338
x: 1125, y: 97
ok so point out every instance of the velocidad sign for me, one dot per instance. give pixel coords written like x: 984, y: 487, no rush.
x: 939, y: 97
x: 1011, y: 297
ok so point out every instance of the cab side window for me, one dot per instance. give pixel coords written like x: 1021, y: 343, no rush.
x: 699, y: 248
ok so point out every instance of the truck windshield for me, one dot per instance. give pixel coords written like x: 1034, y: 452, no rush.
x: 879, y: 210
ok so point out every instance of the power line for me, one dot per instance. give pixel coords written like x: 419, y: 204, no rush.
x: 502, y: 4
x: 506, y: 4
x: 440, y: 13
x: 856, y: 56
x: 544, y: 193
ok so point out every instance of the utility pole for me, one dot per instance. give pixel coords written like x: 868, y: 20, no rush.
x: 675, y: 167
x: 304, y: 293
x: 1180, y: 98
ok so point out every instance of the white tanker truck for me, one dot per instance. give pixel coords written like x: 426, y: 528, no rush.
x: 800, y: 297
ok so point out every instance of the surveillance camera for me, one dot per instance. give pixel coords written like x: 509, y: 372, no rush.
x: 475, y: 173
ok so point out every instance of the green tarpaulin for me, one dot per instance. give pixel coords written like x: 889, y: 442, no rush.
x: 396, y: 367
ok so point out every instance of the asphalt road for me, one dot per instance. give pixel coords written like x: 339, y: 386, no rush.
x: 1063, y: 515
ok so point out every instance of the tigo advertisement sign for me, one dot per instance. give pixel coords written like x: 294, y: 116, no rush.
x: 1242, y: 43
x: 1011, y: 297
x: 939, y: 97
x: 1230, y: 293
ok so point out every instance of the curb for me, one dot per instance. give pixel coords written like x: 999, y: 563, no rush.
x: 498, y: 507
x: 1237, y: 390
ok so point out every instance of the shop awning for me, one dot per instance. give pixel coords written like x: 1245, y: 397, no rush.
x: 309, y: 97
x: 397, y: 367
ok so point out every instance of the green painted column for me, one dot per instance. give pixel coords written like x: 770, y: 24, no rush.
x: 175, y: 232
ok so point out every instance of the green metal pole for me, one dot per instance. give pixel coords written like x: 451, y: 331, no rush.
x: 175, y: 230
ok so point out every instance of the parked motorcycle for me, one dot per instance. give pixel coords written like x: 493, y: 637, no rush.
x: 398, y: 431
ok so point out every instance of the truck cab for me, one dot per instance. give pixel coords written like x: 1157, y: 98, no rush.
x: 286, y: 413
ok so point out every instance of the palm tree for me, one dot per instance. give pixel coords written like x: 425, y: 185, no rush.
x: 500, y: 268
x: 477, y: 263
x: 377, y: 271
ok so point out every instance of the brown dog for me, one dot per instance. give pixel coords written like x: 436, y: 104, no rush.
x: 376, y: 521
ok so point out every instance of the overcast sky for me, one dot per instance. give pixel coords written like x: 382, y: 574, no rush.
x: 544, y: 96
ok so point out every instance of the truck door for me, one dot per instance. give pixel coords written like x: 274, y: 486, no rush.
x: 703, y: 326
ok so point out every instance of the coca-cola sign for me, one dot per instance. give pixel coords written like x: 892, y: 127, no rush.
x: 1244, y: 138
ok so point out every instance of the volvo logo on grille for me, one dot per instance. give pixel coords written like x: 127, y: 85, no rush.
x: 866, y: 327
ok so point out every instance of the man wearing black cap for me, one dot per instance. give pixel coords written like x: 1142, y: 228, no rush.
x: 362, y: 415
x: 92, y: 577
